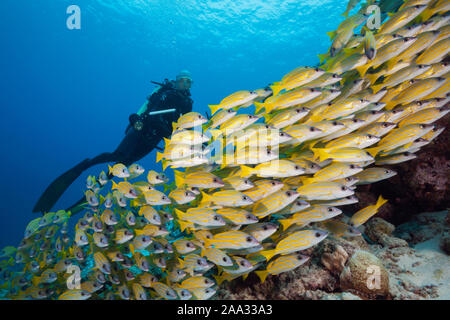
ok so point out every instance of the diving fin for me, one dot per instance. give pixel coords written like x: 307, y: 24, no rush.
x: 56, y: 189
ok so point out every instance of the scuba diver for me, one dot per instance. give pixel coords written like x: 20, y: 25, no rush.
x: 146, y: 129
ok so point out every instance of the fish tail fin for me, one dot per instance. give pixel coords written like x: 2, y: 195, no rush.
x: 380, y: 201
x: 363, y: 69
x: 373, y: 151
x: 246, y: 171
x: 174, y: 126
x: 114, y: 185
x: 132, y: 249
x: 372, y: 78
x: 286, y: 223
x: 206, y: 198
x: 262, y: 275
x: 180, y: 263
x: 179, y: 213
x: 159, y: 156
x: 259, y: 106
x: 377, y: 88
x: 165, y: 164
x: 179, y: 179
x: 36, y: 281
x: 426, y: 14
x: 268, y: 254
x: 276, y: 89
x: 166, y: 141
x: 219, y: 279
x: 320, y: 153
x: 214, y: 108
x: 216, y: 133
x: 110, y: 169
x: 183, y: 225
x: 332, y: 34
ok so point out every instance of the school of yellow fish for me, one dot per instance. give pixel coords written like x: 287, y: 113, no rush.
x: 251, y: 191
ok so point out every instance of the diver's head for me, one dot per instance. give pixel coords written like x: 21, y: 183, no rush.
x: 184, y: 80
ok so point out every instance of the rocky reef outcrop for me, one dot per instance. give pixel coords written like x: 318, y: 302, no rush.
x: 405, y: 262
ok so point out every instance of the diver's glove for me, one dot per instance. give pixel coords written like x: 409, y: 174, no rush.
x: 136, y: 121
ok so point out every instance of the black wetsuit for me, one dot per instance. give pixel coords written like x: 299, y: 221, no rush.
x: 137, y: 144
x: 134, y: 146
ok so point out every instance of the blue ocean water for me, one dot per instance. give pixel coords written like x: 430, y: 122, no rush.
x: 66, y: 95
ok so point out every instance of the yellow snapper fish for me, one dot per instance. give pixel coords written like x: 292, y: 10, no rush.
x: 395, y: 158
x: 287, y: 117
x: 297, y: 241
x: 315, y: 213
x: 324, y: 191
x: 199, y: 216
x: 261, y: 231
x: 400, y: 136
x: 402, y: 75
x: 228, y: 198
x: 401, y: 18
x: 199, y: 179
x: 150, y: 214
x: 263, y: 188
x: 119, y: 170
x: 356, y: 140
x: 275, y: 202
x: 378, y: 129
x: 334, y: 171
x: 184, y: 246
x: 374, y: 174
x: 182, y: 196
x: 179, y: 151
x: 275, y: 168
x: 296, y: 78
x: 289, y: 99
x: 126, y: 188
x: 189, y: 120
x: 301, y: 133
x: 282, y: 264
x: 237, y: 216
x: 217, y: 256
x: 387, y: 52
x: 75, y: 294
x: 234, y: 100
x: 155, y: 178
x: 237, y: 183
x: 238, y: 122
x: 219, y: 118
x: 435, y: 53
x: 426, y: 116
x: 325, y: 80
x: 232, y: 240
x: 346, y: 154
x: 366, y: 213
x: 340, y: 229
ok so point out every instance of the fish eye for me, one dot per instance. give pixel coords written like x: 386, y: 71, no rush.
x: 317, y: 69
x: 216, y: 218
x: 385, y: 125
x: 297, y: 167
x: 330, y: 209
x: 386, y: 171
x: 265, y: 228
x: 288, y: 193
x: 343, y: 188
x: 312, y: 129
x: 224, y: 259
x: 249, y: 239
x: 242, y: 263
x: 273, y: 183
x: 230, y: 110
x: 215, y: 180
x: 245, y: 198
x: 186, y: 194
x: 334, y: 123
x: 317, y: 234
x: 199, y: 262
x: 352, y: 166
